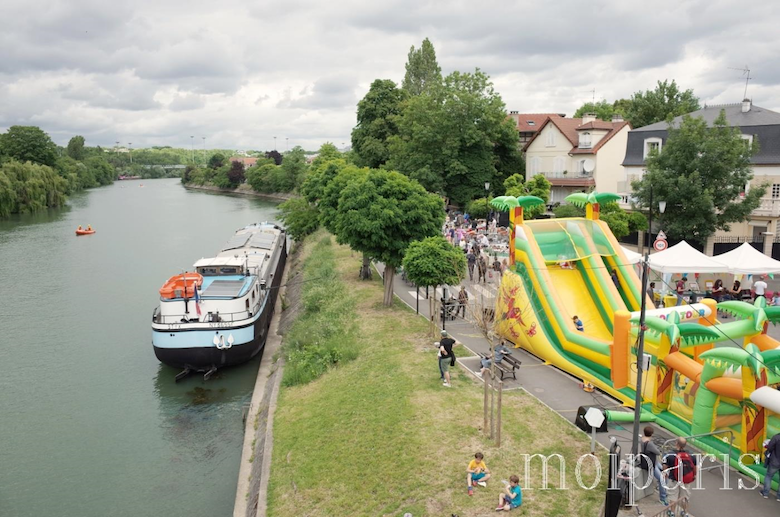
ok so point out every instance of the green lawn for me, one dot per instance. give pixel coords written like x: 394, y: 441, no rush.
x: 380, y: 435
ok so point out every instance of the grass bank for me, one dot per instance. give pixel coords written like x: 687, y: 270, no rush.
x: 379, y: 435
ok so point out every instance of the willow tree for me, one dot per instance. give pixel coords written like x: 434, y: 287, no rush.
x: 382, y: 213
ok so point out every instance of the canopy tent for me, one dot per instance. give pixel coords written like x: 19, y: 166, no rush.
x: 632, y: 256
x: 683, y: 258
x: 748, y: 260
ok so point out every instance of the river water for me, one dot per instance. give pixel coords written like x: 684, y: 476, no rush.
x: 90, y: 423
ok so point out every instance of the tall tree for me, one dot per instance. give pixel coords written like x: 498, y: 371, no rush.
x: 382, y: 213
x: 294, y: 167
x: 376, y: 123
x: 664, y: 102
x: 422, y: 69
x: 300, y: 217
x: 28, y: 144
x: 604, y: 110
x: 76, y: 147
x: 236, y: 173
x: 216, y: 161
x: 701, y: 173
x: 456, y: 137
x: 537, y: 186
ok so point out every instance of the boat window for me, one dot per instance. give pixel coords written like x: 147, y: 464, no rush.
x: 228, y: 270
x: 207, y: 270
x: 247, y: 303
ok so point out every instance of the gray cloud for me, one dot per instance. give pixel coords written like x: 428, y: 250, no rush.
x: 156, y: 72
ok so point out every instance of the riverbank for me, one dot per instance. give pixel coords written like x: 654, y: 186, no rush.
x: 243, y: 190
x: 380, y: 435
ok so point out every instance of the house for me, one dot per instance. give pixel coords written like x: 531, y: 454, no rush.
x: 575, y: 154
x: 528, y: 124
x: 756, y: 124
x: 247, y: 161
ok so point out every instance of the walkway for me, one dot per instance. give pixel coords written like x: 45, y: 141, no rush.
x: 562, y: 393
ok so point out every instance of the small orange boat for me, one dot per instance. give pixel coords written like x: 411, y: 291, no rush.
x: 181, y: 285
x: 81, y: 231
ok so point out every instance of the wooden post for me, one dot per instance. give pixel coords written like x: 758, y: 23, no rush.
x: 485, y: 408
x: 492, y: 407
x: 498, y: 415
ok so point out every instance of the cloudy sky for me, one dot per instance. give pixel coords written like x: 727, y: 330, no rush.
x: 240, y: 73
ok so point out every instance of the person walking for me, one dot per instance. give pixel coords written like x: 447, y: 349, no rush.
x: 681, y: 468
x: 482, y: 268
x: 446, y: 357
x: 760, y: 288
x: 471, y: 259
x: 652, y: 463
x: 463, y: 301
x: 772, y: 465
x: 498, y: 269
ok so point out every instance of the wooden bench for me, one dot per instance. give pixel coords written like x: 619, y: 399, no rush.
x: 507, y: 366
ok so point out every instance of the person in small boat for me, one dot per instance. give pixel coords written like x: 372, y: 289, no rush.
x: 89, y: 227
x: 80, y: 228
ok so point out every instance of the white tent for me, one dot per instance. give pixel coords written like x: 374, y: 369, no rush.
x: 632, y: 256
x: 749, y: 261
x: 683, y: 258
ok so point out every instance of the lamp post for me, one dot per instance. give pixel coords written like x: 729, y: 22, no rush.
x: 204, y: 149
x: 487, y: 205
x: 130, y: 148
x: 640, y: 351
x: 192, y: 149
x: 274, y: 143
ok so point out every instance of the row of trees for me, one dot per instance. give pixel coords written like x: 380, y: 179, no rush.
x: 36, y: 174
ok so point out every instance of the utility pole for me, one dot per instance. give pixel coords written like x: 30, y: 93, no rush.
x: 274, y: 143
x: 287, y: 143
x: 204, y: 149
x: 192, y: 149
x: 130, y: 147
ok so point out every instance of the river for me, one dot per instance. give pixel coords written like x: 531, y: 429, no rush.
x: 90, y: 423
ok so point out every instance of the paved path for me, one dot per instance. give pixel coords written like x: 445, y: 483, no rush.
x: 562, y: 393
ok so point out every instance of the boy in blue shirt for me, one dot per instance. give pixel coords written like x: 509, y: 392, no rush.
x: 578, y: 323
x: 512, y: 497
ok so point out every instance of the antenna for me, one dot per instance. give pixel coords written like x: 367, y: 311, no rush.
x: 593, y: 94
x: 746, y: 72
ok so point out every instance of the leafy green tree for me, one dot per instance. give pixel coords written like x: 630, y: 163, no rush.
x: 664, y: 102
x: 384, y: 212
x: 8, y: 204
x: 478, y: 208
x: 294, y: 167
x: 320, y: 175
x: 562, y: 211
x: 327, y: 152
x: 376, y: 123
x: 28, y: 144
x: 422, y: 69
x: 432, y: 262
x: 216, y: 161
x: 604, y: 110
x: 701, y: 173
x: 537, y: 186
x: 99, y: 169
x: 259, y: 178
x: 449, y: 139
x: 220, y: 178
x: 328, y: 202
x: 30, y: 187
x: 300, y: 217
x: 76, y: 147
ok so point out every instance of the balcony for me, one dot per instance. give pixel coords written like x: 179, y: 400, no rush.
x: 570, y: 179
x: 769, y: 207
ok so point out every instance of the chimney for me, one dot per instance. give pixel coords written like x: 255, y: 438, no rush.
x: 746, y: 105
x: 617, y: 117
x: 588, y: 117
x: 513, y: 112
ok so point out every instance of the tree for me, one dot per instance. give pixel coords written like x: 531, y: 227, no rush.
x: 384, y: 212
x: 76, y: 147
x: 562, y: 211
x: 665, y: 102
x: 603, y: 109
x: 260, y: 178
x: 28, y: 144
x: 422, y: 69
x: 537, y: 186
x: 100, y: 170
x: 327, y: 152
x: 294, y: 168
x: 320, y: 175
x: 216, y: 161
x: 432, y: 262
x: 478, y: 208
x: 701, y: 173
x: 275, y: 156
x: 236, y: 173
x: 300, y: 217
x: 449, y: 139
x: 376, y: 123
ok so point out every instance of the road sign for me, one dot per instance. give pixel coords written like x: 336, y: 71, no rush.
x: 660, y: 245
x: 661, y: 236
x: 594, y: 417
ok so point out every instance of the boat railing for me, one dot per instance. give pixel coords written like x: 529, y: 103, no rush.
x: 205, y: 317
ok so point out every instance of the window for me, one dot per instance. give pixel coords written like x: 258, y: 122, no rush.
x: 585, y: 142
x: 534, y: 164
x: 530, y: 122
x: 559, y: 163
x: 550, y: 138
x: 652, y: 144
x: 580, y: 166
x: 776, y: 191
x: 748, y: 139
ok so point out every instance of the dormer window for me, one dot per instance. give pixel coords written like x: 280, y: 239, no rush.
x: 585, y: 141
x: 650, y: 145
x: 530, y: 122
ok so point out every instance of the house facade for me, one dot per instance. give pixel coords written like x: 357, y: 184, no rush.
x: 755, y: 124
x: 576, y: 154
x: 528, y: 124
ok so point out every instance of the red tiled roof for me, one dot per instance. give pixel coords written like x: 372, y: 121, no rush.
x: 246, y: 161
x: 614, y: 128
x: 531, y: 122
x: 569, y: 127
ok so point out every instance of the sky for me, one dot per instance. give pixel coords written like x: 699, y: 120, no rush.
x: 236, y: 74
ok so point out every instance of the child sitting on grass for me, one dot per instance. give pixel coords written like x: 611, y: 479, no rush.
x: 477, y: 473
x: 512, y: 496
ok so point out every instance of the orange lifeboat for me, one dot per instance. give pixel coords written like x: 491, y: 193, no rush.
x: 82, y: 231
x: 181, y: 286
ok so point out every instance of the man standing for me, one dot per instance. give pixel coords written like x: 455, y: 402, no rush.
x: 652, y: 463
x: 772, y: 465
x: 446, y: 357
x: 681, y: 467
x: 760, y: 287
x: 463, y: 301
x: 482, y: 268
x: 680, y: 288
x: 471, y: 258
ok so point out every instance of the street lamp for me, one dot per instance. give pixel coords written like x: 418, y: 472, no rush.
x: 287, y: 143
x: 130, y: 147
x: 204, y: 149
x: 274, y: 143
x: 640, y: 351
x: 192, y: 149
x: 487, y: 205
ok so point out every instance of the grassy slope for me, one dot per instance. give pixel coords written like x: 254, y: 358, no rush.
x: 381, y: 436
